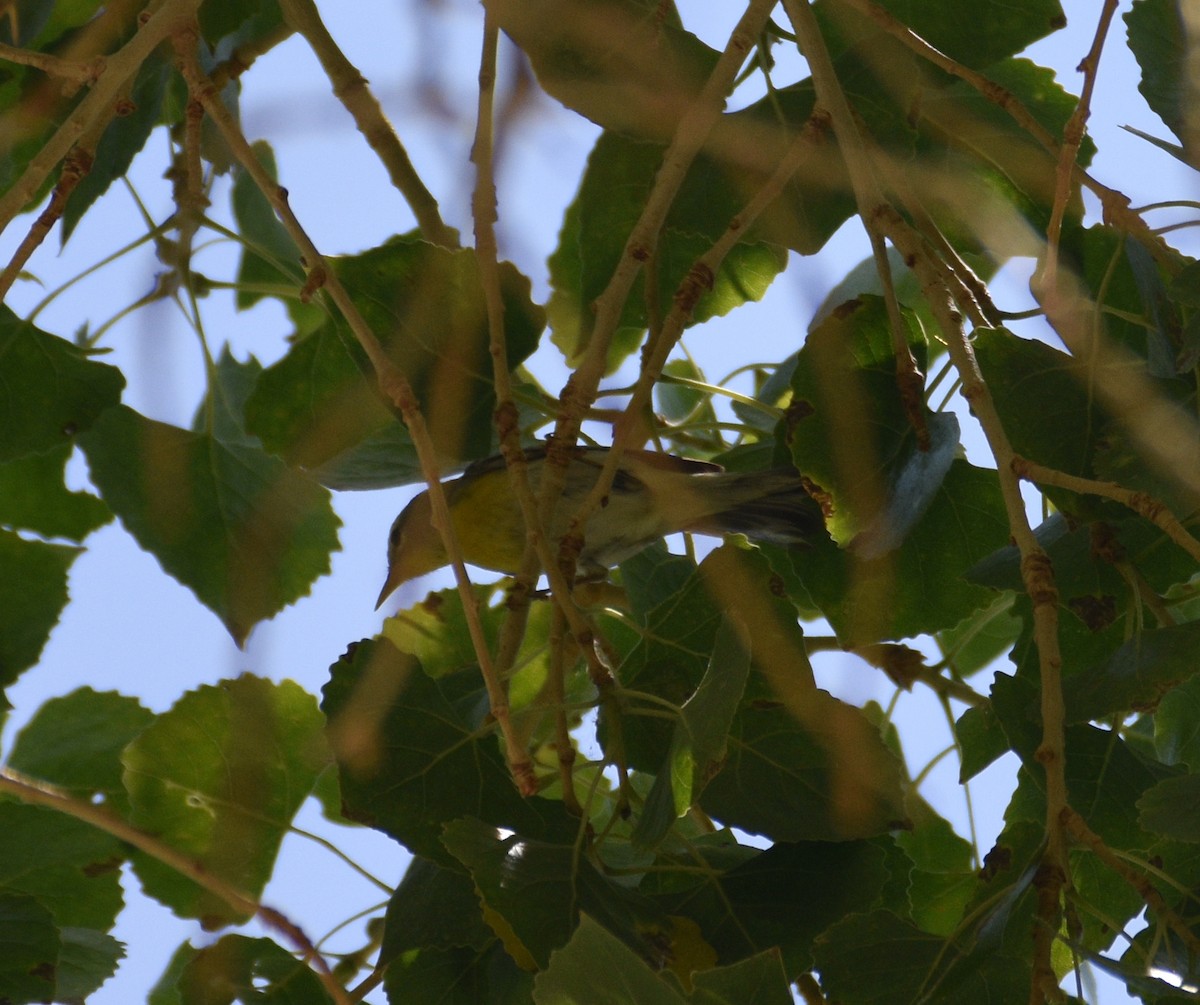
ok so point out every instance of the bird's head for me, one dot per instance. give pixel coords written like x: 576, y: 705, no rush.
x: 414, y: 546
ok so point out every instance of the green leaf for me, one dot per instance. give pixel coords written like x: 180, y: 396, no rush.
x: 1136, y: 676
x: 570, y: 979
x: 987, y: 156
x: 918, y: 588
x: 982, y: 740
x: 29, y: 949
x: 942, y: 878
x: 221, y: 413
x: 320, y: 403
x: 1172, y: 808
x: 51, y: 390
x: 270, y: 258
x: 220, y: 18
x: 458, y: 977
x: 846, y: 404
x: 619, y: 64
x: 75, y: 742
x: 72, y: 869
x: 982, y: 34
x: 1158, y: 39
x: 1063, y: 431
x: 219, y: 777
x: 680, y: 402
x: 86, y: 960
x: 242, y: 531
x: 751, y: 907
x: 699, y: 744
x: 1177, y: 725
x: 252, y: 971
x: 976, y: 641
x: 880, y: 958
x: 828, y: 772
x: 33, y: 592
x: 122, y: 140
x: 413, y: 755
x: 759, y: 980
x: 533, y: 893
x: 619, y: 176
x: 33, y: 496
x: 432, y: 908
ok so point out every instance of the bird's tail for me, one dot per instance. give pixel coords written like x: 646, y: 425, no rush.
x: 770, y: 506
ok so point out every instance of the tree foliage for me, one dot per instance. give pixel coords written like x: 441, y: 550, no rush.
x: 638, y: 793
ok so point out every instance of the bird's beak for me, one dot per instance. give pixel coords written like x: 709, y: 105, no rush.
x: 394, y: 579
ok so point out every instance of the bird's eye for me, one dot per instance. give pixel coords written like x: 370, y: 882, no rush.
x: 395, y: 535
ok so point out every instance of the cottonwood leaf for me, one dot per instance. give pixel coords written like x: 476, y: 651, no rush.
x: 244, y: 532
x: 75, y: 742
x: 918, y: 588
x: 533, y: 893
x: 850, y: 434
x: 699, y: 744
x: 86, y: 960
x: 34, y: 496
x: 32, y: 944
x: 458, y: 977
x: 33, y: 593
x: 750, y: 907
x: 251, y: 971
x: 51, y: 390
x: 1158, y: 41
x: 73, y: 869
x: 1172, y: 808
x: 619, y: 176
x: 413, y: 755
x: 829, y: 774
x: 1136, y: 676
x: 219, y: 777
x: 571, y: 975
x: 320, y: 404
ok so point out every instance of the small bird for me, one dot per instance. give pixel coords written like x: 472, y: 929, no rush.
x: 652, y: 495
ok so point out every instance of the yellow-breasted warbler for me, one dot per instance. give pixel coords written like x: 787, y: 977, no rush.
x: 652, y: 495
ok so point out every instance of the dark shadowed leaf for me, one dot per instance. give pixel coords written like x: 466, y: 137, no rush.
x: 533, y: 893
x: 458, y: 977
x: 751, y: 907
x: 122, y: 140
x: 51, y: 390
x: 32, y: 943
x: 413, y: 756
x: 571, y: 976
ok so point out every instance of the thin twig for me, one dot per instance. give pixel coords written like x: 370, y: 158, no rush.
x: 75, y: 168
x: 1068, y: 154
x: 1142, y: 503
x: 1037, y: 573
x: 352, y: 90
x: 119, y: 68
x: 1115, y: 205
x: 37, y: 793
x: 392, y: 382
x: 690, y: 134
x: 75, y: 72
x: 1079, y: 830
